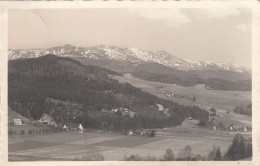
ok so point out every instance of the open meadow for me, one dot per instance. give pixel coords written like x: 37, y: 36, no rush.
x: 73, y: 145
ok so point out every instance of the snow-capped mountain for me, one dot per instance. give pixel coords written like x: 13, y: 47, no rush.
x: 131, y: 55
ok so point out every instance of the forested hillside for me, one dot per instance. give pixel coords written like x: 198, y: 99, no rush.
x: 32, y: 81
x: 213, y: 79
x: 228, y: 82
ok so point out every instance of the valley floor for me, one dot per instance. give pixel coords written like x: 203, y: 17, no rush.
x: 72, y: 145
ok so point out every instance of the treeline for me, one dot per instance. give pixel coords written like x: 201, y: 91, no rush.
x: 181, y: 78
x: 32, y: 81
x: 221, y: 84
x: 238, y: 150
x: 191, y: 79
x: 244, y: 109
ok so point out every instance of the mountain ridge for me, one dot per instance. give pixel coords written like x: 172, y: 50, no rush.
x: 134, y: 56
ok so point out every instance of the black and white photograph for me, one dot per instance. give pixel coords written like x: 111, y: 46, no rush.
x: 129, y: 84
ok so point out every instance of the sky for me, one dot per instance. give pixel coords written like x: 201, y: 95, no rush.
x: 216, y: 34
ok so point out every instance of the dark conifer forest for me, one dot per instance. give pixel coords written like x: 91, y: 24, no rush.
x: 32, y: 81
x: 185, y: 78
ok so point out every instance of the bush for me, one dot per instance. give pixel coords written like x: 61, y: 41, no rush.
x: 198, y: 157
x: 152, y: 133
x: 22, y: 132
x: 169, y: 155
x: 214, y: 154
x: 151, y: 158
x: 138, y: 158
x: 133, y: 158
x: 220, y: 125
x: 92, y: 155
x: 185, y: 153
x: 194, y: 98
x: 243, y: 109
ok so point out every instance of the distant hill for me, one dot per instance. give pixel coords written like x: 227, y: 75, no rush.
x: 49, y: 84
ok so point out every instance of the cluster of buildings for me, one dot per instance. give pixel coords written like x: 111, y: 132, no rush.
x: 122, y: 111
x: 141, y: 132
x: 161, y: 108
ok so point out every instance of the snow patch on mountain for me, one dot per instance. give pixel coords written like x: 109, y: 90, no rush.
x: 131, y: 55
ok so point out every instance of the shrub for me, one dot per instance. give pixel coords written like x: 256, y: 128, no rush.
x: 152, y: 133
x: 194, y: 98
x: 169, y: 155
x: 198, y: 157
x: 243, y: 109
x: 151, y: 158
x: 214, y: 154
x: 133, y: 158
x: 22, y: 132
x: 185, y: 153
x: 92, y: 155
x: 220, y: 125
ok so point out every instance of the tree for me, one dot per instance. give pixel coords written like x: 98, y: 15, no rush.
x: 194, y: 98
x: 185, y: 153
x: 237, y: 150
x: 133, y: 158
x: 218, y: 155
x: 214, y: 154
x: 152, y: 133
x: 249, y: 150
x: 169, y: 155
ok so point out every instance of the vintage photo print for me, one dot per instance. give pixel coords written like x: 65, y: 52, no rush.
x: 130, y: 83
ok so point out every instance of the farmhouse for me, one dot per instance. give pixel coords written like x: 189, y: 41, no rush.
x: 47, y: 120
x: 245, y: 129
x: 124, y: 111
x: 80, y: 128
x: 65, y: 128
x: 17, y: 121
x: 160, y: 107
x: 190, y: 118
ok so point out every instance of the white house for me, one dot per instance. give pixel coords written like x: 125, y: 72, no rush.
x: 17, y: 121
x: 65, y: 127
x: 80, y: 128
x: 245, y: 129
x: 160, y: 107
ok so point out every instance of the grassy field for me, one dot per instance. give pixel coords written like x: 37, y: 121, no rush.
x: 223, y: 101
x: 70, y: 145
